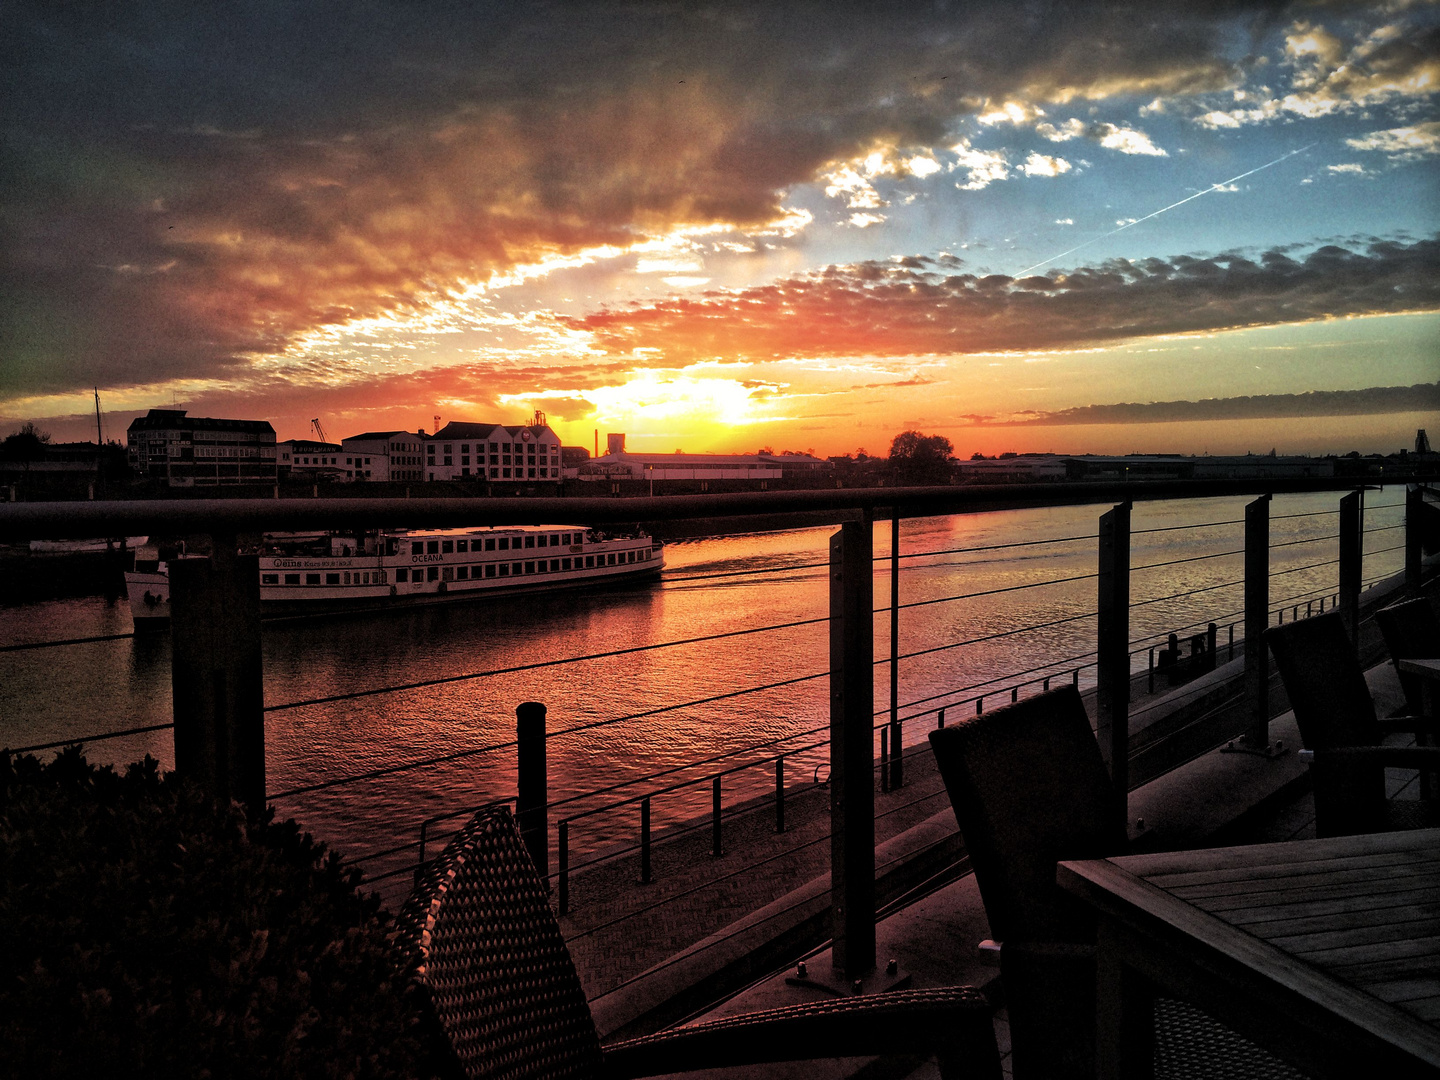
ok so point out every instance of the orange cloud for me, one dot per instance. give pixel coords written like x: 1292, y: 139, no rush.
x: 895, y: 309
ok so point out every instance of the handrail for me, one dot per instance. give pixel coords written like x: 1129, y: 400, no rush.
x: 22, y: 521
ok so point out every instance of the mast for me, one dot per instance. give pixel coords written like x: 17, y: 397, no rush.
x: 99, y: 436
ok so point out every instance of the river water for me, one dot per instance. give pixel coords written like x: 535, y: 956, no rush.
x: 69, y: 692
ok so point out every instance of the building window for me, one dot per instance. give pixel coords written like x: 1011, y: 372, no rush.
x: 529, y: 567
x: 495, y: 474
x: 564, y: 564
x: 462, y: 572
x: 504, y: 543
x: 529, y: 541
x: 610, y: 559
x: 589, y: 561
x: 347, y: 577
x: 532, y: 474
x: 504, y: 569
x: 515, y: 568
x: 462, y: 546
x: 447, y: 573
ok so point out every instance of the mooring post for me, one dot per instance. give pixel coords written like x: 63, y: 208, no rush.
x: 1352, y: 553
x: 1257, y: 617
x: 532, y: 788
x: 852, y: 753
x: 216, y: 673
x: 1112, y: 674
x: 1414, y: 508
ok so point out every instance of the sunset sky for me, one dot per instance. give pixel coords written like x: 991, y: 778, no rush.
x: 1025, y: 226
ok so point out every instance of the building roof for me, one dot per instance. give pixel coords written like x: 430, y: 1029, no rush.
x: 461, y: 429
x: 160, y: 419
x: 373, y: 435
x: 681, y: 460
x: 309, y: 446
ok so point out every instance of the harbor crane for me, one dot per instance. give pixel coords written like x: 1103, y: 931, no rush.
x: 320, y: 431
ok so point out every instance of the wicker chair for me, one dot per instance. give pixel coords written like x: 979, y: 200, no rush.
x: 1029, y: 789
x: 1412, y: 632
x: 487, y: 948
x: 1337, y: 721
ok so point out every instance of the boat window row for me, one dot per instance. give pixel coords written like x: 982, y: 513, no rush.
x: 503, y: 543
x: 515, y: 569
x: 346, y: 577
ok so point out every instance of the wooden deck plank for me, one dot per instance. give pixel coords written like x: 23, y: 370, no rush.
x: 1302, y: 894
x: 1400, y: 990
x: 1376, y: 952
x: 1259, y: 870
x: 1206, y: 886
x: 1271, y: 923
x: 1306, y: 945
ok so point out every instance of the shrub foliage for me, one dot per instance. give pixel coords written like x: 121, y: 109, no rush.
x: 145, y: 931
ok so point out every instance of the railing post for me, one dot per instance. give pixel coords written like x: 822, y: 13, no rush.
x: 562, y: 855
x: 852, y: 785
x: 1414, y: 509
x: 1112, y: 687
x: 1257, y: 617
x: 1352, y: 522
x: 532, y: 802
x: 420, y: 860
x: 715, y: 846
x: 897, y: 767
x: 216, y: 673
x: 780, y: 794
x: 645, y: 841
x: 885, y: 758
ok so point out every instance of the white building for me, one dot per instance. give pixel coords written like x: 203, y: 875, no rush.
x: 384, y: 455
x: 621, y: 465
x: 495, y: 452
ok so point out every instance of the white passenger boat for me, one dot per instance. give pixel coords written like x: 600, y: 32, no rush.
x: 401, y: 568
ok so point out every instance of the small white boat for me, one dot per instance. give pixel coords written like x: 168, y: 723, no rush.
x: 405, y: 568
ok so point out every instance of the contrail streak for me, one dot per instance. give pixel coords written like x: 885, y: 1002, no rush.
x: 1157, y: 213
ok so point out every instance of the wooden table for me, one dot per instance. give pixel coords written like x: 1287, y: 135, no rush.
x: 1326, y: 952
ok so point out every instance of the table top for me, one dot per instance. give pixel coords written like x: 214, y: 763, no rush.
x: 1428, y: 667
x: 1346, y: 929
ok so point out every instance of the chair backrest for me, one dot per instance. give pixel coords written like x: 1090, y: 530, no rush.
x: 489, y: 951
x: 1324, y: 682
x: 1030, y: 788
x: 1412, y: 632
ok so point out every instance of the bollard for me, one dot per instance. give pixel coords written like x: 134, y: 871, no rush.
x: 1046, y: 687
x: 979, y: 704
x: 532, y: 802
x: 216, y: 673
x: 1307, y: 608
x: 884, y: 759
x: 1014, y: 694
x: 563, y: 854
x: 1231, y: 655
x: 1212, y: 632
x: 941, y: 722
x: 1414, y: 553
x: 780, y: 794
x: 715, y: 848
x: 1075, y: 678
x: 897, y: 763
x: 645, y: 841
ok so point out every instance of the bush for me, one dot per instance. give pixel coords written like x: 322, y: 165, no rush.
x: 145, y: 931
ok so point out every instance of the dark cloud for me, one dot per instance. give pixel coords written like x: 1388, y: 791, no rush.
x: 1373, y: 401
x: 184, y: 186
x: 885, y: 309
